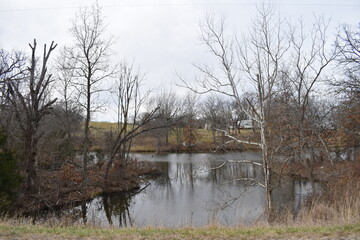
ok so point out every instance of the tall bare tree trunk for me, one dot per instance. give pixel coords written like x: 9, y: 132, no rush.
x: 89, y: 59
x: 86, y: 142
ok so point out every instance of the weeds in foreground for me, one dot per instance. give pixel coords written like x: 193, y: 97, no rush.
x: 339, y: 203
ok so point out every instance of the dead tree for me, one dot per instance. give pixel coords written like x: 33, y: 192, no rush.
x: 30, y: 102
x: 89, y: 56
x: 12, y: 70
x: 130, y: 125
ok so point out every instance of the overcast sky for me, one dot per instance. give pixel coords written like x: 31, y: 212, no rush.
x: 160, y: 36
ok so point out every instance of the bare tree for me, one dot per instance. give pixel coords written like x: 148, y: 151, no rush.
x: 30, y: 101
x: 68, y: 110
x: 131, y: 123
x: 311, y: 55
x: 218, y: 113
x: 89, y: 58
x: 11, y: 66
x: 258, y: 58
x: 348, y: 42
x: 282, y: 63
x: 12, y: 69
x: 183, y: 106
x: 167, y: 116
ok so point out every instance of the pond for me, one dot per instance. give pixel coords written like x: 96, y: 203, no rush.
x: 193, y: 191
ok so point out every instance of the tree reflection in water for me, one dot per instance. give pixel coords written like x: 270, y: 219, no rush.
x: 194, y: 191
x: 117, y: 206
x: 83, y: 212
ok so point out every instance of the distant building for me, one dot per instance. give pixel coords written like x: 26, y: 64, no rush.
x: 246, y: 124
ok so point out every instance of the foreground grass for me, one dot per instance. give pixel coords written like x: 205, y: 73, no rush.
x: 10, y: 231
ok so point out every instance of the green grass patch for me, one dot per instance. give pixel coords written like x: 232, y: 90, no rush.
x: 41, y: 232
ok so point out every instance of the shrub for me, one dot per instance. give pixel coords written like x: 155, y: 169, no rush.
x: 9, y: 177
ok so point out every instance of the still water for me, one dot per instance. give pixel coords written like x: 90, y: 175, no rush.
x: 193, y: 192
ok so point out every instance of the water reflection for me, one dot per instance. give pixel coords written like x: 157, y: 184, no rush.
x: 193, y: 191
x: 83, y: 208
x: 117, y: 206
x: 290, y: 195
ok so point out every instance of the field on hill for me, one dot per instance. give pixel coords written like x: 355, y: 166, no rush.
x: 157, y: 141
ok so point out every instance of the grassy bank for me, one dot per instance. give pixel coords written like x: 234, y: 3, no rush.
x: 155, y: 142
x: 21, y: 231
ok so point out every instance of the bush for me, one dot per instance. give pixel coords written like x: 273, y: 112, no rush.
x: 9, y: 177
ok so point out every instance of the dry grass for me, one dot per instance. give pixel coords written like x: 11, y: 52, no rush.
x: 339, y: 203
x: 339, y: 200
x: 103, y: 125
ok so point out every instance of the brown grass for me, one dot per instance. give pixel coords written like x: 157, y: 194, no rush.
x: 337, y: 203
